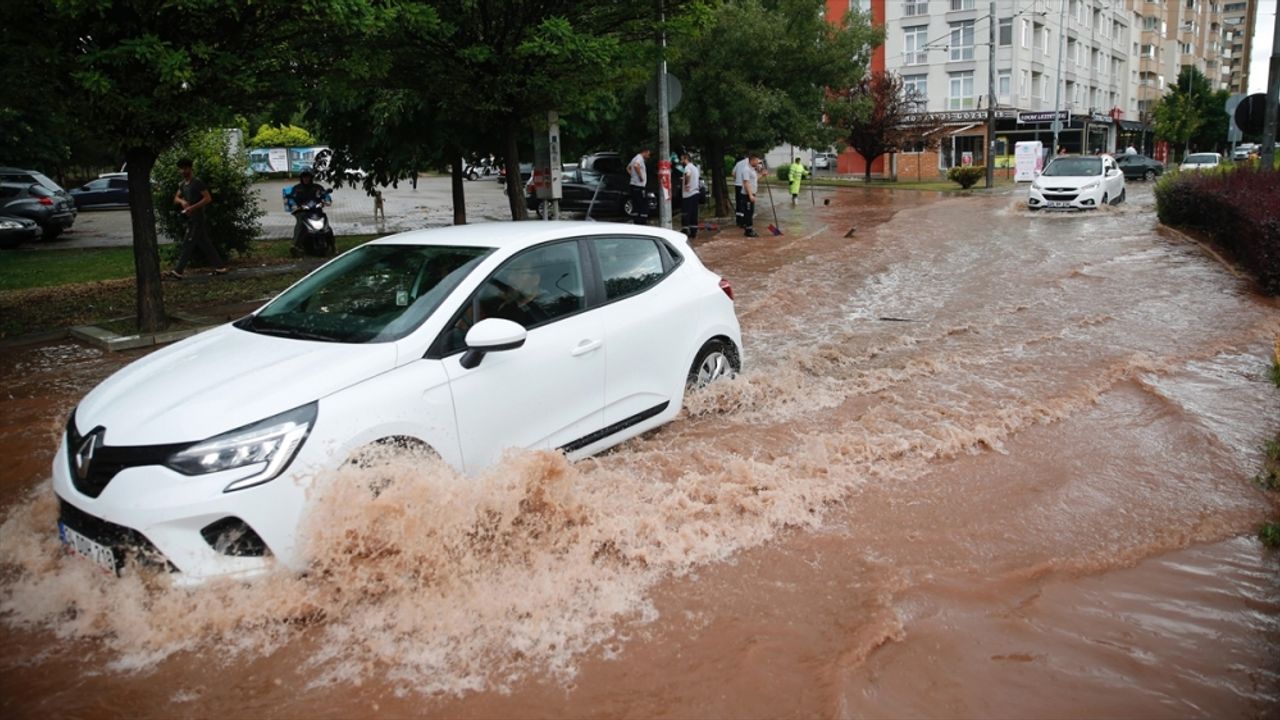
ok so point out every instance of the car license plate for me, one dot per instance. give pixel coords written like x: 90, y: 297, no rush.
x: 1057, y: 204
x: 86, y: 548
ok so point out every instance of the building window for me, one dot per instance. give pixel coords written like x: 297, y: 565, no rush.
x: 912, y: 8
x: 1037, y: 85
x: 962, y: 4
x: 1044, y: 47
x: 1006, y: 32
x: 1026, y: 33
x: 862, y: 6
x: 1073, y: 51
x: 913, y: 45
x: 915, y: 90
x: 960, y: 96
x: 1022, y: 83
x: 1004, y: 83
x: 962, y: 40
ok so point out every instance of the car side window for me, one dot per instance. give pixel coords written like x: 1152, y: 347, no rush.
x: 533, y: 288
x: 628, y: 265
x: 119, y: 184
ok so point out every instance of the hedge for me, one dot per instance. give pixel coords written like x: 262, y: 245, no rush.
x: 1238, y: 208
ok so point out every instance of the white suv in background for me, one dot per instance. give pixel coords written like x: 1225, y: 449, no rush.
x: 1077, y: 182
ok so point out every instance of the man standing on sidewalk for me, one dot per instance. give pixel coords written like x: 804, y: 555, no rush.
x: 193, y: 196
x: 740, y: 197
x: 639, y: 181
x: 690, y: 195
x: 750, y: 183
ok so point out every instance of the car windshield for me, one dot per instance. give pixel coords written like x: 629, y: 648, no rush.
x: 1074, y: 167
x: 375, y: 293
x: 1201, y: 159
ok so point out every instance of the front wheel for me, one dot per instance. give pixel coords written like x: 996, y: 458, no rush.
x: 473, y: 175
x: 716, y: 360
x: 1120, y: 199
x: 50, y: 232
x: 1106, y: 200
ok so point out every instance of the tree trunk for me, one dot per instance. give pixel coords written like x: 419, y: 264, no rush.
x: 146, y: 256
x: 515, y: 184
x: 715, y: 159
x: 867, y: 170
x: 459, y: 196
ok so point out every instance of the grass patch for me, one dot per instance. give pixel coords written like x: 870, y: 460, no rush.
x: 1269, y: 534
x: 1269, y: 478
x: 36, y: 309
x: 1274, y: 373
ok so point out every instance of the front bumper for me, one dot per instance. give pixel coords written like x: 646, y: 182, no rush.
x: 187, y: 522
x: 1050, y: 198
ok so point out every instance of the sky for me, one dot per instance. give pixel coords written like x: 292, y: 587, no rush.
x: 1264, y: 30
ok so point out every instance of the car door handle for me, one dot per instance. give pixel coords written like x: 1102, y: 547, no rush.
x: 585, y: 347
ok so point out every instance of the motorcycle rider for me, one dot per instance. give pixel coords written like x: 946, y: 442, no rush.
x: 299, y: 195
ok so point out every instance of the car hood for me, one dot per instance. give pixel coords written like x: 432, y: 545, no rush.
x: 1066, y: 181
x: 221, y: 380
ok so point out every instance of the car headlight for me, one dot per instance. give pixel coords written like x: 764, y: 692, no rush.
x: 10, y: 225
x: 1091, y: 186
x: 1035, y: 185
x: 271, y: 443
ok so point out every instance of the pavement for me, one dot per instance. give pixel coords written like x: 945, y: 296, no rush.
x: 406, y: 208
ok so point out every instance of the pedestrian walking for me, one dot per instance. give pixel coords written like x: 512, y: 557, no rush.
x: 690, y: 195
x: 193, y: 197
x: 739, y: 197
x: 795, y: 174
x: 750, y: 183
x: 639, y: 181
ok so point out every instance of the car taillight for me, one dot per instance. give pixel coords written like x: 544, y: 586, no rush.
x: 726, y: 287
x: 45, y: 201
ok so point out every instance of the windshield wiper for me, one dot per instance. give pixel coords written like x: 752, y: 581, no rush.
x: 289, y: 333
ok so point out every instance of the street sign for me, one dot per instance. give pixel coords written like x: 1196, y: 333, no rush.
x: 1233, y: 131
x: 1250, y: 114
x: 674, y: 92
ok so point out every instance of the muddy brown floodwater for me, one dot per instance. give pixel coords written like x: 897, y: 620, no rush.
x: 983, y: 463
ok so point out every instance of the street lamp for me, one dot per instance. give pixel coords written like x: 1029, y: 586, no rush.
x: 1057, y: 86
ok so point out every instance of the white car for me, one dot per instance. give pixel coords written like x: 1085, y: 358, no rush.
x: 1242, y: 151
x: 464, y: 341
x: 1201, y: 161
x: 821, y: 161
x: 1077, y: 182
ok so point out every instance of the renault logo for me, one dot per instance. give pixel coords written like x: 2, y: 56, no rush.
x: 84, y: 454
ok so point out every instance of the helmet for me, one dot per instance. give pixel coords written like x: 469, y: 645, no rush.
x: 306, y: 173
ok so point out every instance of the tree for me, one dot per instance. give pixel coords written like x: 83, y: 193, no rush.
x: 1191, y: 112
x: 148, y: 72
x: 281, y: 136
x: 755, y: 73
x: 872, y: 116
x: 472, y: 77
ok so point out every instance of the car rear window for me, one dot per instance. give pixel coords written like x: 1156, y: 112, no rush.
x: 1202, y: 159
x: 628, y: 265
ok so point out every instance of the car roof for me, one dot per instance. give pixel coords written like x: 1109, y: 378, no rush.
x: 515, y: 236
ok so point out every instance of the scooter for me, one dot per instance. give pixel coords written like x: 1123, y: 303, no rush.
x: 317, y: 236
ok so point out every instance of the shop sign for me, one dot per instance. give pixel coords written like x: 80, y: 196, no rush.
x: 1042, y: 117
x: 954, y: 116
x: 1100, y: 118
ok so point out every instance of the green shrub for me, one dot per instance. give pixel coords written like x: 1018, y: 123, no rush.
x: 966, y: 175
x: 234, y: 217
x: 1238, y: 209
x: 1269, y: 534
x: 729, y: 162
x: 281, y: 136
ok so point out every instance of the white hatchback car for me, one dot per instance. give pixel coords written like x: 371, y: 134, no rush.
x: 1201, y: 161
x: 1077, y: 182
x: 465, y: 341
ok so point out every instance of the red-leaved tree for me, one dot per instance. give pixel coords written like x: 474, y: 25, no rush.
x: 874, y: 116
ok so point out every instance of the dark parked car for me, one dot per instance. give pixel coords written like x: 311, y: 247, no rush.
x: 109, y: 191
x: 17, y: 230
x: 52, y: 209
x: 579, y: 187
x: 1139, y: 166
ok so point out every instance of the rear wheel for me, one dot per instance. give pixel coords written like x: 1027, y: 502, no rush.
x: 716, y: 360
x: 473, y: 175
x: 1149, y: 175
x: 628, y: 208
x: 1123, y: 192
x: 1106, y: 200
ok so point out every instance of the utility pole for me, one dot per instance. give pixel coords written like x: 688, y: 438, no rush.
x: 1273, y: 96
x: 664, y: 129
x: 991, y: 96
x: 1058, y: 81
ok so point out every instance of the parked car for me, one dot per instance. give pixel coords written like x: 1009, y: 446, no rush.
x: 17, y: 230
x: 1243, y: 151
x: 1077, y: 182
x: 610, y: 193
x: 461, y: 341
x: 1201, y: 161
x: 1137, y: 167
x: 105, y: 192
x: 824, y: 161
x: 54, y: 211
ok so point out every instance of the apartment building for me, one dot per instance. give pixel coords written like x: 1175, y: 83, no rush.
x: 1238, y: 18
x: 1104, y: 64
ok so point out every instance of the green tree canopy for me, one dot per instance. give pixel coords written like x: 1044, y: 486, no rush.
x: 1191, y: 114
x: 281, y: 136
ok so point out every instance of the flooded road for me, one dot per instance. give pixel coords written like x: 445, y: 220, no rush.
x: 982, y: 463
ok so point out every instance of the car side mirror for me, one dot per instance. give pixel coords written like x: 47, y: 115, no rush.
x: 491, y: 335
